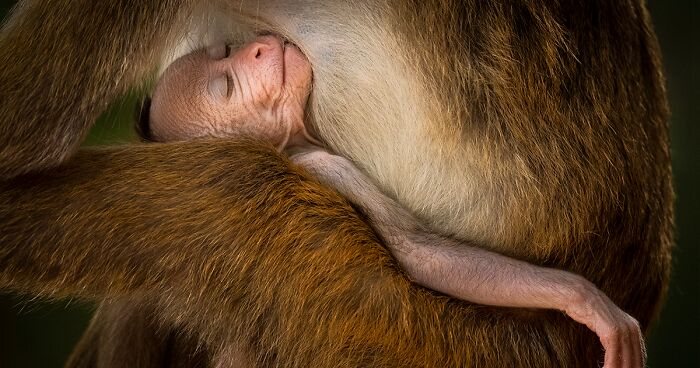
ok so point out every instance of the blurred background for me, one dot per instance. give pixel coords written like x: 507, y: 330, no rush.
x: 37, y: 333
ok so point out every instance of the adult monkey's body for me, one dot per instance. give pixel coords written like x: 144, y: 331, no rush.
x: 532, y: 129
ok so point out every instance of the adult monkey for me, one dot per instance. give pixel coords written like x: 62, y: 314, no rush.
x: 543, y: 124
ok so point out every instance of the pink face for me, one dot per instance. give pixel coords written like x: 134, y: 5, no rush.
x: 260, y: 91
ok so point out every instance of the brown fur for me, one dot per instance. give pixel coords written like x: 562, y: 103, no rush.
x: 535, y: 128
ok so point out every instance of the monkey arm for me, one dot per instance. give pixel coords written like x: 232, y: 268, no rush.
x: 231, y: 242
x: 478, y: 275
x: 63, y: 61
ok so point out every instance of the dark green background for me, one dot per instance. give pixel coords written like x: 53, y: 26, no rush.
x: 41, y: 334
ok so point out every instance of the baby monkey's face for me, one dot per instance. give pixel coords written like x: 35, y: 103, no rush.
x: 259, y: 90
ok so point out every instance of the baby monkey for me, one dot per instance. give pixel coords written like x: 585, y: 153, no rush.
x: 261, y: 89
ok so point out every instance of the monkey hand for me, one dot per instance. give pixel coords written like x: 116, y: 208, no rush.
x: 619, y: 332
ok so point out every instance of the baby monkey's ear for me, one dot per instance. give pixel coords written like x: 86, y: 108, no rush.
x: 143, y: 120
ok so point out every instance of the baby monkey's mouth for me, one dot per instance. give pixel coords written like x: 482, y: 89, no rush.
x: 309, y: 123
x: 285, y: 41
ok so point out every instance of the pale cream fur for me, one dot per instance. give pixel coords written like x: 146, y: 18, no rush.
x: 403, y: 138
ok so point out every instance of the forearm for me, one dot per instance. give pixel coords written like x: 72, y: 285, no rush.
x: 484, y: 277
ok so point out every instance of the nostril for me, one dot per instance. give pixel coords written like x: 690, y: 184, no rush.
x: 257, y: 54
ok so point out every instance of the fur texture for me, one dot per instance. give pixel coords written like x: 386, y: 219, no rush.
x: 534, y: 128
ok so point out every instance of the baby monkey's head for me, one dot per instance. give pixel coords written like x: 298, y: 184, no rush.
x: 259, y: 90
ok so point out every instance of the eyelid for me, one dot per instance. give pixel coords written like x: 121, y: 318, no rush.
x: 217, y: 87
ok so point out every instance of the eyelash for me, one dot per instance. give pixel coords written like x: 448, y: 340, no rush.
x: 229, y: 79
x: 229, y: 84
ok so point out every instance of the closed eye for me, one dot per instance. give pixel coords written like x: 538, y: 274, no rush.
x: 220, y: 87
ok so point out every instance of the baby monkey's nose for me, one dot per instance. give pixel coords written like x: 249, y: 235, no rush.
x: 265, y: 49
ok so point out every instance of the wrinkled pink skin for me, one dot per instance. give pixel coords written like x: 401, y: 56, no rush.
x: 271, y: 82
x: 260, y: 91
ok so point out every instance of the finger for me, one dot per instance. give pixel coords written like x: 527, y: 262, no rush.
x: 607, y: 363
x: 636, y: 348
x: 639, y: 351
x: 612, y: 353
x: 634, y: 351
x: 627, y: 348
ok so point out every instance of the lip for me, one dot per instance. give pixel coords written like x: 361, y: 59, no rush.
x: 283, y: 44
x: 292, y: 56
